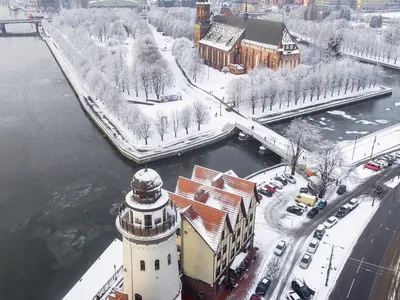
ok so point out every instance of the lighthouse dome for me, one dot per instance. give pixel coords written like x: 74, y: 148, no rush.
x: 146, y: 180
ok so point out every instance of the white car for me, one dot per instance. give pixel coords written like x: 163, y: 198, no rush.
x: 305, y: 261
x: 276, y: 184
x: 313, y: 246
x: 330, y: 222
x: 397, y: 154
x: 289, y: 177
x: 292, y: 295
x: 302, y: 206
x: 381, y: 162
x: 280, y: 248
x: 353, y: 203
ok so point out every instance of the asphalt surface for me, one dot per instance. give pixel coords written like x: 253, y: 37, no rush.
x: 308, y: 227
x: 371, y: 251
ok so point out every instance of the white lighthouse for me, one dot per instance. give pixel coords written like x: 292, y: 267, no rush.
x: 147, y: 221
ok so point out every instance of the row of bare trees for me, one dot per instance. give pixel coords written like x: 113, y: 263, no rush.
x: 273, y: 90
x: 188, y: 57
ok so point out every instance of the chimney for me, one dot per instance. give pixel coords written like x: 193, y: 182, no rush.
x: 201, y: 196
x: 218, y: 181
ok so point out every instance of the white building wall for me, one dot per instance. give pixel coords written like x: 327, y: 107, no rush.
x: 151, y: 284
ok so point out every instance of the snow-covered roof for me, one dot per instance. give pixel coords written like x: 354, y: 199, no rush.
x: 232, y: 184
x: 231, y: 173
x: 208, y: 221
x: 222, y: 36
x: 258, y: 44
x: 217, y: 198
x: 146, y: 180
x: 98, y: 274
x: 238, y: 260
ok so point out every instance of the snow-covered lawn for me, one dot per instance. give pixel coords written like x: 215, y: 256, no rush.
x: 343, y: 236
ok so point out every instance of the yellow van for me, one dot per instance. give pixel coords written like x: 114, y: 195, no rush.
x: 306, y: 199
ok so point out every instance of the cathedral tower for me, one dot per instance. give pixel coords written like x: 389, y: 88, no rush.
x: 147, y: 221
x: 202, y: 23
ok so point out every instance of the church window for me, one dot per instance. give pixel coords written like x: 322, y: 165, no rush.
x: 142, y: 265
x: 138, y: 297
x: 157, y: 264
x: 169, y: 259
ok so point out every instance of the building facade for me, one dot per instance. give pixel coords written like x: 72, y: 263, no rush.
x: 147, y: 221
x: 241, y: 43
x: 217, y: 229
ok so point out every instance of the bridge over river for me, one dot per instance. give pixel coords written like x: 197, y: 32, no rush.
x: 3, y: 23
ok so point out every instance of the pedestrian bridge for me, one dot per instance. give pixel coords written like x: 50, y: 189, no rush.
x: 3, y: 23
x: 266, y: 136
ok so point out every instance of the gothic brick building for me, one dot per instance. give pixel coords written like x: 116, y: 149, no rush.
x: 241, y: 43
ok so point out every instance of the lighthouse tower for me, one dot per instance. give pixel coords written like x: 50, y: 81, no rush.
x: 147, y: 221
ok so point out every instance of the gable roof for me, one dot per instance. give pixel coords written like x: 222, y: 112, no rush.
x: 257, y: 30
x: 225, y: 11
x: 244, y: 188
x: 222, y: 36
x: 217, y: 198
x: 208, y: 221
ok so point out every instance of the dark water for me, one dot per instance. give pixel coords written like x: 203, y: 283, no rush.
x: 360, y: 119
x: 61, y: 180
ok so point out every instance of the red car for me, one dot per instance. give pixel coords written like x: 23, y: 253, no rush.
x: 372, y: 166
x: 255, y: 297
x: 270, y: 188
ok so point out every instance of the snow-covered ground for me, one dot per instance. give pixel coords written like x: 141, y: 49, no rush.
x: 392, y: 183
x: 383, y: 60
x: 343, y: 236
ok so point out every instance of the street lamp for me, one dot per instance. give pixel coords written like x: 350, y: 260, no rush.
x: 354, y: 148
x: 330, y: 261
x: 373, y: 146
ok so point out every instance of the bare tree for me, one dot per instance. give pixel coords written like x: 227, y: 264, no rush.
x: 329, y: 159
x: 234, y: 91
x: 175, y: 120
x: 186, y: 118
x: 300, y: 134
x: 144, y: 128
x: 162, y: 124
x: 200, y: 113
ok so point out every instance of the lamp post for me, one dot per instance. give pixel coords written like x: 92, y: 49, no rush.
x: 354, y: 148
x: 330, y: 261
x: 373, y: 146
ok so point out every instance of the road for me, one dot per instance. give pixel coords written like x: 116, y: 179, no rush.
x: 379, y: 245
x: 300, y: 234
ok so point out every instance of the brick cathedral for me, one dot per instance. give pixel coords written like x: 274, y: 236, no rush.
x: 241, y: 43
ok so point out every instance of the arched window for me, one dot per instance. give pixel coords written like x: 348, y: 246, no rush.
x: 138, y: 297
x: 157, y: 264
x: 142, y: 265
x: 169, y: 259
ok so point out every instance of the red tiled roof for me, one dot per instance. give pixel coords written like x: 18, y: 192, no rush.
x: 235, y: 185
x: 207, y: 220
x: 218, y: 198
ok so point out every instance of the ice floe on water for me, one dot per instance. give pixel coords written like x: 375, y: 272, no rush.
x: 388, y: 108
x: 397, y: 104
x: 357, y: 132
x: 322, y: 123
x: 382, y: 121
x: 327, y: 128
x: 322, y: 119
x: 341, y: 113
x: 365, y: 122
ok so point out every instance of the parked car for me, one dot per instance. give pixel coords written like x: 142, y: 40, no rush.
x: 344, y: 211
x: 270, y: 188
x: 306, y: 199
x: 255, y: 297
x: 280, y: 248
x: 319, y: 232
x: 388, y: 159
x: 378, y: 188
x: 263, y: 286
x: 393, y: 156
x: 295, y: 210
x: 301, y: 289
x: 321, y: 204
x: 353, y: 203
x: 313, y: 212
x: 305, y: 261
x: 289, y: 177
x: 302, y: 206
x: 313, y: 246
x: 265, y: 192
x: 291, y: 295
x: 397, y: 154
x: 383, y: 164
x: 372, y: 166
x: 341, y: 189
x: 281, y: 179
x: 276, y: 184
x: 306, y: 190
x: 330, y: 222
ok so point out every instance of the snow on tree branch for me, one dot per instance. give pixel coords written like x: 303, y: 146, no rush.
x: 201, y: 114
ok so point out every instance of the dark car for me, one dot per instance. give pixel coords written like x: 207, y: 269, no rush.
x: 309, y: 191
x: 301, y: 289
x: 263, y: 286
x: 378, y: 188
x: 341, y: 189
x: 281, y: 179
x: 295, y: 210
x: 313, y: 212
x: 265, y: 192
